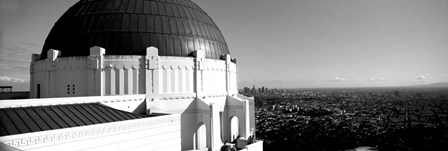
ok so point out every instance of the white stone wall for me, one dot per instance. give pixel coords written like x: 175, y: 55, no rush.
x: 101, y: 75
x: 213, y: 75
x: 122, y: 75
x: 202, y: 91
x: 66, y: 77
x: 153, y: 133
x: 233, y: 78
x: 176, y: 75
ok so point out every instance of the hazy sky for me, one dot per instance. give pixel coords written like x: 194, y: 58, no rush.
x: 282, y: 43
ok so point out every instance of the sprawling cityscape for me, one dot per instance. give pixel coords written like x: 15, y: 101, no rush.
x: 395, y: 118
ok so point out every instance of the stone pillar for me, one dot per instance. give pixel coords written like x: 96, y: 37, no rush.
x: 95, y: 73
x: 120, y: 80
x: 135, y: 79
x: 34, y: 58
x: 129, y: 80
x: 52, y: 55
x: 212, y: 129
x: 199, y: 66
x: 246, y: 131
x: 112, y: 80
x: 228, y: 74
x: 251, y: 116
x: 151, y: 76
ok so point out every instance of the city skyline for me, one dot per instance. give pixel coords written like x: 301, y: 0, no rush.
x: 282, y: 44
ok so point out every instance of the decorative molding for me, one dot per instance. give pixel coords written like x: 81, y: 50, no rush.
x: 70, y: 100
x: 22, y: 140
x: 216, y: 96
x: 197, y: 111
x: 135, y: 66
x: 241, y: 107
x: 177, y: 97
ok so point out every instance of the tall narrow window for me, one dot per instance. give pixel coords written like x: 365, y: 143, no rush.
x: 38, y: 91
x: 234, y: 128
x: 201, y: 137
x: 221, y: 126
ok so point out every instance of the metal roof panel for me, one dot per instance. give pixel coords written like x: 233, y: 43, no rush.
x: 33, y: 119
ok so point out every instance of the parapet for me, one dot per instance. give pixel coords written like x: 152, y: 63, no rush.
x: 199, y: 54
x: 97, y: 51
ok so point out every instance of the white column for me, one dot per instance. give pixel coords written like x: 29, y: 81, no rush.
x: 167, y: 85
x: 135, y: 79
x: 52, y: 79
x: 182, y: 80
x: 96, y: 75
x: 121, y: 79
x: 163, y: 80
x: 175, y: 85
x: 32, y: 85
x: 34, y: 58
x: 187, y: 79
x: 228, y: 82
x: 91, y: 78
x: 191, y: 79
x: 212, y: 139
x: 112, y: 80
x: 107, y: 83
x: 246, y: 120
x: 129, y: 82
x: 151, y: 76
x: 199, y: 67
x: 52, y: 55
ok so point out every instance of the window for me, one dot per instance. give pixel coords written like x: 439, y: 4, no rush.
x: 200, y: 137
x: 71, y: 89
x: 221, y: 125
x: 234, y: 128
x: 38, y: 91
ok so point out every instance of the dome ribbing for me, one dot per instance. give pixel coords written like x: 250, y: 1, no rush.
x: 128, y: 27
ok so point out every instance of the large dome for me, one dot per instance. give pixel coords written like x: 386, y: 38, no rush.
x: 128, y: 27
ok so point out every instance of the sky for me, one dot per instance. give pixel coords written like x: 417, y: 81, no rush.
x: 282, y: 43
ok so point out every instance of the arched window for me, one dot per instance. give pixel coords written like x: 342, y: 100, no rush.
x: 234, y: 128
x: 200, y: 137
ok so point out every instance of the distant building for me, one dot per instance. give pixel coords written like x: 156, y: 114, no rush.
x: 131, y: 75
x: 6, y: 92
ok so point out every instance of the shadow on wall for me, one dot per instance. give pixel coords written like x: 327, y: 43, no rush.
x: 196, y: 112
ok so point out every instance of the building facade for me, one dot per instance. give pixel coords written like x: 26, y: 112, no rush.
x: 132, y: 75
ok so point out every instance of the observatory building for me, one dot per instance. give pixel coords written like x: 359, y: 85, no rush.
x: 131, y: 75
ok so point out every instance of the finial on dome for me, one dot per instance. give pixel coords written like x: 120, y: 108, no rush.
x: 53, y: 54
x: 152, y: 51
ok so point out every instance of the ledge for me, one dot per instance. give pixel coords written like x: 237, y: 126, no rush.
x: 69, y: 100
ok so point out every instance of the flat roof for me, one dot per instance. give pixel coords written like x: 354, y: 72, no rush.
x: 33, y: 119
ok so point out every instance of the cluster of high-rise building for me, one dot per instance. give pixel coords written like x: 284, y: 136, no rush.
x: 262, y: 89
